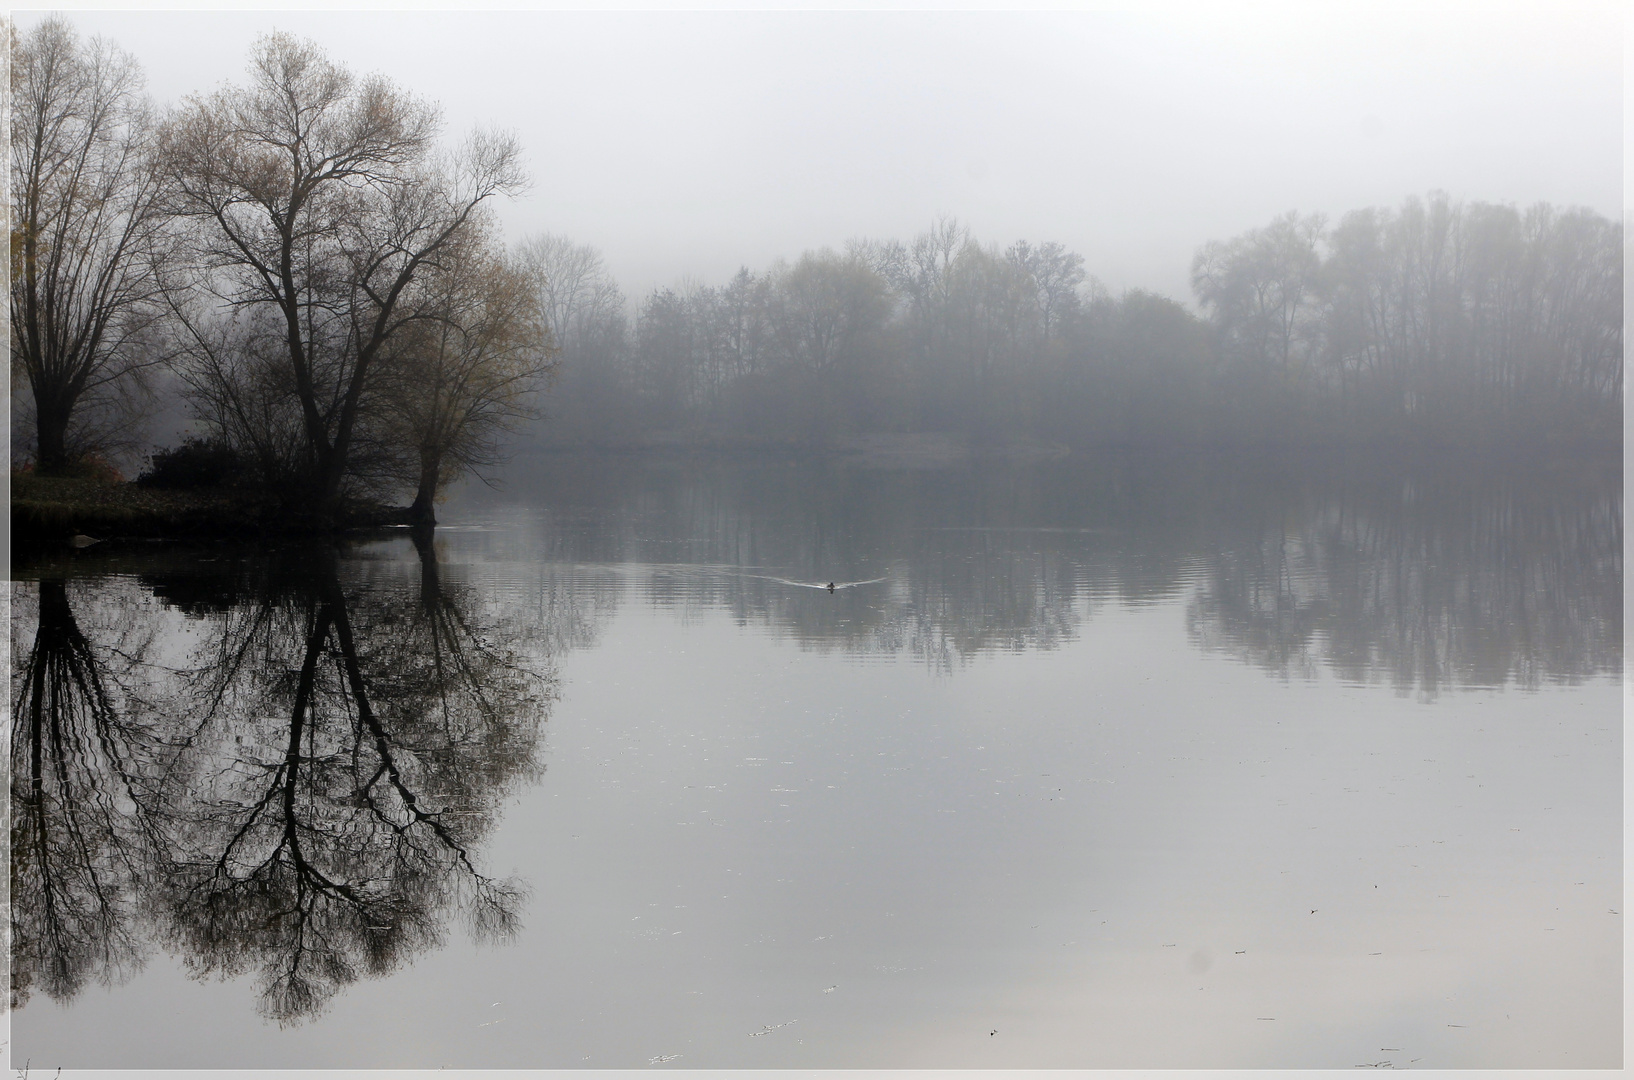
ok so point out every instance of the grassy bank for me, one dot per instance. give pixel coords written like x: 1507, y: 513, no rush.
x: 47, y: 512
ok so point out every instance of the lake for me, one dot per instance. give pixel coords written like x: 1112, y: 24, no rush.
x: 1103, y: 761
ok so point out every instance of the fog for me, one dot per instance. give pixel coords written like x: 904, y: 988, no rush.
x: 686, y: 145
x: 1144, y: 486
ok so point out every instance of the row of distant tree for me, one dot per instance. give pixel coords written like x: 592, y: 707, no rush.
x: 1437, y: 320
x: 326, y: 282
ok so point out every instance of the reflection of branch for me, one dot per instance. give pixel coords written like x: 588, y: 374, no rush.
x: 452, y: 641
x: 351, y: 870
x: 284, y: 828
x: 224, y: 673
x: 382, y: 743
x: 81, y: 832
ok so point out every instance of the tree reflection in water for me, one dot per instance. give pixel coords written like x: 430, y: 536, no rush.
x: 295, y: 779
x: 1421, y: 574
x: 332, y: 758
x: 1427, y: 587
x: 84, y: 774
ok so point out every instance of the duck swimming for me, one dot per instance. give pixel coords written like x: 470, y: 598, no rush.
x: 832, y: 586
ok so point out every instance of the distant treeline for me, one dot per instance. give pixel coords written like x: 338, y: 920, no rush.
x: 325, y: 286
x: 1436, y: 321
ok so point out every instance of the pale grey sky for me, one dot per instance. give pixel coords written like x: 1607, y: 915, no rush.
x: 689, y: 143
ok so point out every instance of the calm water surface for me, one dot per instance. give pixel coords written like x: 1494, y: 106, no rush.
x: 1082, y: 764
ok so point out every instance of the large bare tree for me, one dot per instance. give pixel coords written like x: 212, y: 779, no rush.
x: 319, y: 197
x: 87, y: 235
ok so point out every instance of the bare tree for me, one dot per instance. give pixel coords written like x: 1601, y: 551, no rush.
x: 87, y: 237
x: 921, y: 273
x: 1260, y: 287
x: 824, y: 309
x: 1476, y: 319
x: 585, y: 310
x: 576, y: 293
x: 1054, y: 274
x: 468, y: 368
x: 322, y: 197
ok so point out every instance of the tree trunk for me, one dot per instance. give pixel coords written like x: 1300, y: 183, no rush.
x: 430, y: 585
x: 325, y: 481
x: 422, y: 512
x: 51, y: 430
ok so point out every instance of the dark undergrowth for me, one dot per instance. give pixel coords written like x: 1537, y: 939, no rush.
x: 50, y: 511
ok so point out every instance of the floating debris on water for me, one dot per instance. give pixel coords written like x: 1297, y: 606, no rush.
x: 662, y: 1058
x: 769, y: 1028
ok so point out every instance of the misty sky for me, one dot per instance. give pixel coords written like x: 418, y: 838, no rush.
x: 686, y: 144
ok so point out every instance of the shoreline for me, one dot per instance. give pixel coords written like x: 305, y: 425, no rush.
x: 47, y: 512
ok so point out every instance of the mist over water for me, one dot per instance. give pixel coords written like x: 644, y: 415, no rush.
x: 1422, y: 577
x: 1078, y: 752
x: 1075, y: 539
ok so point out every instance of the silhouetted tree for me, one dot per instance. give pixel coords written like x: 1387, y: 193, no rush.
x: 87, y: 238
x: 318, y: 199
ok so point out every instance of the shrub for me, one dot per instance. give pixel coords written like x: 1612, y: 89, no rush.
x: 196, y: 463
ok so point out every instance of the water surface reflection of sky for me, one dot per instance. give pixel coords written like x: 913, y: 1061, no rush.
x: 1117, y: 766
